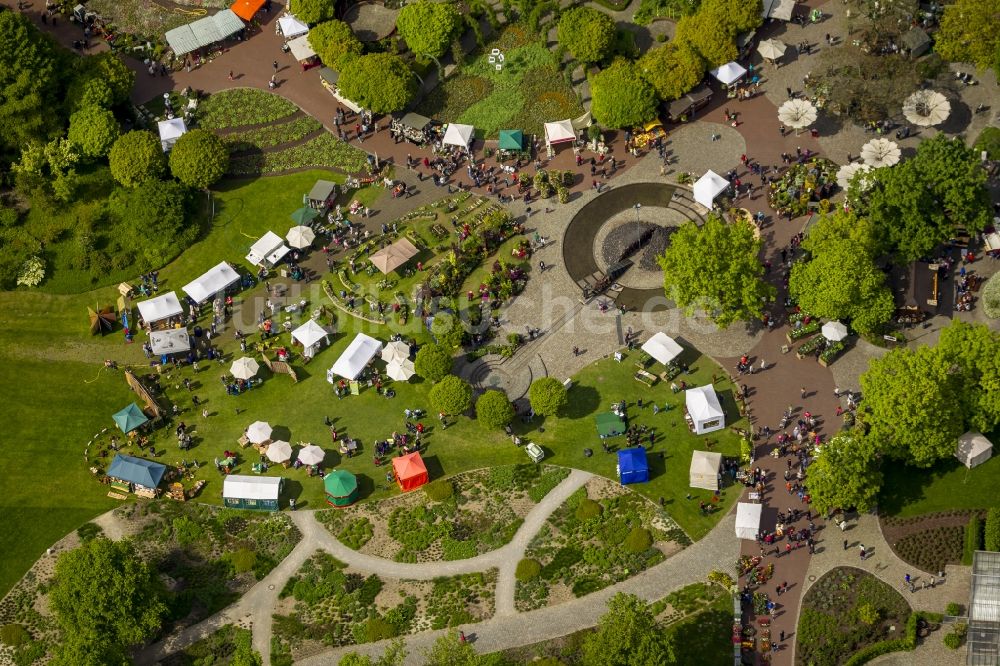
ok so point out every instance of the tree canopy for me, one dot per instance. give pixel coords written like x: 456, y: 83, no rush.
x: 199, y: 158
x: 968, y: 33
x: 313, y: 11
x: 448, y: 330
x: 973, y: 349
x: 494, y: 410
x: 588, y: 33
x: 136, y: 157
x: 673, y: 69
x: 621, y: 97
x: 451, y: 395
x: 714, y: 40
x: 433, y: 362
x: 715, y: 267
x: 150, y: 220
x: 101, y: 80
x: 627, y: 635
x: 846, y: 473
x: 547, y: 396
x: 380, y: 82
x: 429, y: 27
x: 94, y: 130
x: 335, y: 43
x: 450, y: 650
x: 394, y: 655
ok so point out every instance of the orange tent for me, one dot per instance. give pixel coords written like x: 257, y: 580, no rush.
x: 247, y: 9
x: 410, y: 471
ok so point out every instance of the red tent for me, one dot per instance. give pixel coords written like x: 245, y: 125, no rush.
x: 247, y: 9
x: 410, y: 471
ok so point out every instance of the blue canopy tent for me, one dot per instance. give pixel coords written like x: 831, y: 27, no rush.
x: 632, y: 466
x: 130, y: 418
x: 132, y: 472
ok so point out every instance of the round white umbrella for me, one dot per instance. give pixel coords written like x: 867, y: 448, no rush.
x: 300, y: 237
x: 279, y: 451
x: 797, y: 113
x: 311, y: 455
x: 771, y: 49
x: 244, y: 368
x: 834, y: 331
x: 400, y: 370
x: 925, y: 108
x: 397, y: 350
x: 879, y: 153
x: 259, y: 432
x: 846, y: 173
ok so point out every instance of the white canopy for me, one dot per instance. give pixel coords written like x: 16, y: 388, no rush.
x: 705, y: 467
x: 300, y: 237
x: 170, y: 131
x: 834, y: 330
x: 779, y: 9
x: 311, y: 455
x: 159, y: 308
x: 279, y: 451
x: 400, y: 370
x: 259, y: 432
x: 728, y: 73
x: 973, y: 449
x: 458, y: 135
x: 662, y: 347
x: 291, y: 27
x: 212, y: 282
x: 269, y: 249
x: 238, y: 486
x: 301, y: 49
x: 354, y: 359
x: 708, y: 187
x: 170, y: 341
x: 704, y: 409
x: 747, y: 520
x: 310, y: 333
x: 559, y: 132
x: 397, y: 350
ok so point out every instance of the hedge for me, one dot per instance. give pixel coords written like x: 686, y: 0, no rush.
x: 992, y: 533
x: 906, y: 644
x: 973, y: 539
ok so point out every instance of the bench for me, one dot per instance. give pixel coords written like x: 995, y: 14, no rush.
x: 646, y: 378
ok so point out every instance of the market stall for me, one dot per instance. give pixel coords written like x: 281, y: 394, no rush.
x: 135, y: 475
x: 456, y: 134
x: 704, y: 413
x: 748, y: 520
x: 204, y: 32
x: 393, y: 256
x: 729, y: 73
x: 341, y: 488
x: 354, y: 359
x: 412, y: 127
x: 662, y: 347
x: 302, y: 51
x: 510, y: 144
x: 156, y: 311
x: 633, y: 466
x: 559, y: 132
x: 247, y: 9
x: 683, y: 109
x: 704, y: 472
x: 170, y: 341
x: 330, y: 80
x: 252, y: 492
x: 648, y: 133
x: 214, y: 281
x: 268, y: 250
x: 130, y: 418
x: 322, y: 195
x: 310, y: 335
x: 708, y: 187
x: 170, y: 130
x: 290, y: 27
x: 410, y: 471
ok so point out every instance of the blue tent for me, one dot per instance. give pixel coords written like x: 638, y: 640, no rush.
x: 632, y: 465
x: 130, y: 418
x: 138, y: 471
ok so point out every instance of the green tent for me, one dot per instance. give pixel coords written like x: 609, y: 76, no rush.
x: 341, y: 488
x: 130, y: 418
x: 609, y: 424
x: 511, y: 140
x: 304, y: 215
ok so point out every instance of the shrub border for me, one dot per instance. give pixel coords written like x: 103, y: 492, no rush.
x: 906, y: 644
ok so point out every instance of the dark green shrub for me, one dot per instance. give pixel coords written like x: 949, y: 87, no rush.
x: 186, y: 531
x: 991, y: 535
x: 588, y: 509
x: 953, y: 609
x: 457, y: 550
x: 973, y: 539
x: 13, y: 635
x: 527, y: 569
x: 638, y: 540
x: 89, y: 531
x: 954, y: 641
x: 440, y: 490
x: 369, y: 590
x: 566, y: 557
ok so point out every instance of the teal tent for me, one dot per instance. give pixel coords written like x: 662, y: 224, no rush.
x: 130, y: 418
x: 341, y: 488
x: 511, y: 140
x: 304, y: 215
x: 609, y: 425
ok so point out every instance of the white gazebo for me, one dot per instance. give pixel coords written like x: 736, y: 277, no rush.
x: 729, y: 73
x: 834, y: 331
x: 708, y: 187
x: 703, y: 409
x: 705, y: 466
x: 301, y: 48
x: 268, y: 250
x: 747, y: 520
x: 973, y: 449
x: 559, y: 132
x: 160, y: 308
x: 458, y: 135
x: 290, y: 27
x: 310, y: 334
x: 662, y: 347
x: 170, y: 130
x: 213, y: 282
x: 362, y: 349
x: 170, y: 341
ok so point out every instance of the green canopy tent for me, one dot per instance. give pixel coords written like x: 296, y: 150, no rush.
x: 511, y: 140
x: 303, y: 216
x: 609, y: 425
x: 130, y: 418
x: 341, y: 488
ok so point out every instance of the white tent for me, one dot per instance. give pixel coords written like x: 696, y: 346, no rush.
x: 729, y: 73
x: 747, y: 520
x: 705, y: 467
x: 973, y: 449
x: 662, y: 347
x: 458, y: 135
x: 212, y: 282
x: 708, y: 187
x: 354, y: 359
x: 310, y: 334
x: 291, y: 27
x: 559, y: 132
x: 704, y: 409
x: 170, y: 131
x: 160, y: 308
x: 301, y: 49
x: 170, y: 341
x: 779, y: 9
x: 236, y: 486
x: 268, y: 250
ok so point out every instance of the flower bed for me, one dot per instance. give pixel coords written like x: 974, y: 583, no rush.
x: 832, y: 351
x: 242, y: 106
x: 810, y: 347
x: 262, y: 138
x: 323, y: 151
x: 801, y: 184
x: 803, y: 331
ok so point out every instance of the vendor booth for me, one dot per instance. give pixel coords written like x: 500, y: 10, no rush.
x: 393, y: 256
x: 247, y: 9
x: 130, y: 418
x: 363, y: 348
x: 341, y: 488
x: 559, y: 132
x: 135, y: 475
x: 204, y: 32
x: 410, y: 471
x: 303, y: 51
x: 267, y: 251
x: 609, y: 424
x: 330, y: 80
x: 214, y: 281
x: 511, y: 140
x: 748, y: 520
x: 662, y: 347
x: 973, y: 449
x: 632, y: 466
x: 779, y: 9
x: 413, y: 127
x: 159, y: 309
x: 170, y: 341
x: 322, y: 195
x: 705, y: 466
x: 290, y: 27
x: 708, y: 188
x: 729, y: 73
x: 310, y: 335
x: 683, y: 109
x: 170, y: 130
x: 704, y: 413
x: 459, y: 135
x: 252, y: 492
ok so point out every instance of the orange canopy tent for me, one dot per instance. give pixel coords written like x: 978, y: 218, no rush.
x: 247, y: 9
x: 410, y: 471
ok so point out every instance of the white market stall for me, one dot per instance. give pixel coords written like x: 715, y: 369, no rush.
x: 268, y: 250
x: 310, y: 334
x: 729, y: 73
x: 170, y: 130
x: 290, y: 27
x: 251, y: 492
x: 170, y: 341
x: 779, y: 9
x: 559, y: 132
x: 362, y: 349
x: 214, y: 281
x: 662, y: 347
x: 705, y: 466
x: 458, y: 135
x: 973, y: 449
x: 704, y: 413
x: 748, y: 520
x: 708, y: 187
x: 159, y: 308
x: 301, y: 48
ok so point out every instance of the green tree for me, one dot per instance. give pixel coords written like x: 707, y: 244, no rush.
x: 433, y: 362
x: 955, y: 176
x: 737, y: 16
x: 627, y: 635
x: 913, y: 405
x: 106, y: 598
x: 972, y: 350
x: 199, y: 159
x: 447, y: 329
x: 863, y: 86
x: 136, y: 157
x: 968, y: 33
x: 673, y: 69
x: 335, y: 43
x: 89, y: 90
x: 394, y: 655
x: 380, y: 82
x: 494, y: 410
x: 150, y: 220
x: 313, y: 11
x: 451, y: 395
x: 94, y: 130
x: 621, y: 97
x: 716, y: 267
x: 589, y: 34
x: 450, y: 650
x: 846, y: 473
x: 547, y: 396
x: 429, y: 27
x: 100, y: 80
x: 905, y: 212
x: 714, y: 40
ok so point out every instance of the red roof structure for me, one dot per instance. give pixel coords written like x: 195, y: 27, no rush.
x: 410, y: 471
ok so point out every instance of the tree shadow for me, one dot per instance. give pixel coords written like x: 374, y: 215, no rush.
x: 583, y: 400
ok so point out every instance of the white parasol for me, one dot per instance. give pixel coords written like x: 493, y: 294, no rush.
x: 397, y: 350
x: 846, y: 173
x: 311, y: 455
x: 300, y: 237
x: 244, y: 368
x: 879, y: 153
x: 400, y: 370
x: 259, y: 432
x: 797, y: 113
x: 279, y: 451
x: 834, y: 331
x: 925, y: 108
x: 771, y: 49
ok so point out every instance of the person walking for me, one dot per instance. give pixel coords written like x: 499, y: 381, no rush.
x: 763, y: 364
x: 275, y: 65
x: 845, y: 544
x: 802, y: 392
